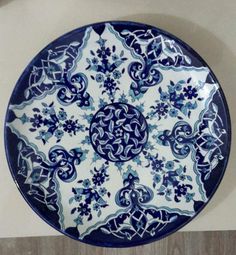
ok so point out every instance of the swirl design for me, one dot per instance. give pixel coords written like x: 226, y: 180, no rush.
x: 118, y: 132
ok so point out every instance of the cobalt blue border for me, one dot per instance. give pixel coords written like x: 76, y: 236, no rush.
x: 225, y: 110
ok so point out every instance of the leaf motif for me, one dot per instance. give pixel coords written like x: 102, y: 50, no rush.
x: 127, y: 149
x: 99, y: 213
x: 128, y: 128
x: 136, y: 132
x: 90, y: 217
x: 189, y: 178
x: 51, y: 207
x: 52, y: 103
x: 126, y: 137
x: 73, y: 210
x: 100, y: 131
x: 111, y: 126
x: 27, y: 93
x: 117, y: 141
x: 179, y: 171
x: 215, y: 108
x: 71, y: 200
x: 162, y: 188
x: 36, y: 109
x: 119, y: 150
x: 105, y: 231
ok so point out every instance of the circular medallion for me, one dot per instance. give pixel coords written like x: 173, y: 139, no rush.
x: 117, y: 134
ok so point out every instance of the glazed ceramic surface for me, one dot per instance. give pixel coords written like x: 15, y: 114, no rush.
x: 117, y: 134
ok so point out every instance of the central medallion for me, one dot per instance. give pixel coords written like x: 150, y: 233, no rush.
x: 118, y: 132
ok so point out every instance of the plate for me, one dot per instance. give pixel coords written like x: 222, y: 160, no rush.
x: 117, y: 134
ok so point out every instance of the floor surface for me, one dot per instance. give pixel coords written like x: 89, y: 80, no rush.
x: 189, y: 243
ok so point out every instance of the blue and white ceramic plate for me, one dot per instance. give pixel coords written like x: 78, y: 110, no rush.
x: 117, y: 134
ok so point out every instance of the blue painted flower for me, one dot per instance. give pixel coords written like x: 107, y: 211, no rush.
x: 161, y: 109
x: 130, y: 175
x: 45, y: 136
x: 178, y: 86
x: 139, y: 224
x: 169, y: 165
x: 165, y: 96
x: 59, y: 133
x: 99, y: 77
x: 189, y: 197
x: 86, y: 140
x: 86, y: 183
x: 37, y: 120
x: 102, y: 191
x: 210, y: 141
x: 173, y: 112
x: 156, y: 178
x: 98, y: 179
x: 118, y: 132
x: 115, y: 57
x: 116, y: 74
x: 62, y: 115
x: 157, y: 165
x: 46, y: 111
x: 109, y: 84
x: 78, y: 197
x: 168, y: 192
x: 24, y: 118
x: 123, y: 98
x: 42, y: 133
x: 69, y: 126
x: 190, y: 92
x: 103, y: 52
x: 181, y: 190
x: 94, y: 61
x: 83, y: 209
x: 96, y: 207
x: 102, y: 103
x: 78, y: 221
x: 35, y: 175
x: 171, y: 89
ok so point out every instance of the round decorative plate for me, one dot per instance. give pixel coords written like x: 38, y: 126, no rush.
x: 117, y: 134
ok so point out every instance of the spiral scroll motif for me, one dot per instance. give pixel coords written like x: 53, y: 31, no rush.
x: 118, y: 132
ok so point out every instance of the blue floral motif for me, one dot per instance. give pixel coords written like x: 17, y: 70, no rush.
x: 52, y: 75
x: 49, y: 123
x: 106, y: 67
x: 183, y: 140
x: 181, y: 98
x: 170, y: 180
x: 154, y: 49
x: 92, y: 193
x: 138, y: 219
x: 41, y: 177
